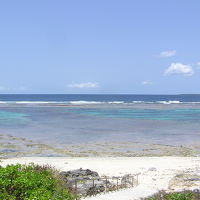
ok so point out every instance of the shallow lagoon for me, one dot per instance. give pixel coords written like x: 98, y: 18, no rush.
x: 175, y: 124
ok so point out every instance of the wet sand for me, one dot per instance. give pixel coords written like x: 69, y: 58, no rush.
x: 11, y: 146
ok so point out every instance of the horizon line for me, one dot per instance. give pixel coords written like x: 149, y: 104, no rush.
x: 95, y: 94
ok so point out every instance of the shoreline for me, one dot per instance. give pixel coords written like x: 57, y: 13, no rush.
x: 157, y: 164
x: 156, y: 173
x: 12, y: 146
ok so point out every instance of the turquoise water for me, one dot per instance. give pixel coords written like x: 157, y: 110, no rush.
x: 69, y: 119
x: 146, y: 114
x: 154, y: 123
x: 11, y: 118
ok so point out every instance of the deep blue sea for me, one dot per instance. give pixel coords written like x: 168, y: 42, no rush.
x: 68, y: 119
x: 98, y: 98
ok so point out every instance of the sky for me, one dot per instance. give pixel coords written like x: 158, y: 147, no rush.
x: 100, y: 46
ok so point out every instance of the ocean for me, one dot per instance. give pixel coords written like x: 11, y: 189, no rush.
x: 78, y: 119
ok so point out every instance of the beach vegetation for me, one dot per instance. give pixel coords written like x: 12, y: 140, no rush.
x: 185, y: 195
x: 32, y: 182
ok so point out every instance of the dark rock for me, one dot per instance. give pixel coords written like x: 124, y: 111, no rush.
x: 84, y: 182
x: 196, y: 191
x: 81, y: 173
x: 90, y: 187
x: 192, y: 179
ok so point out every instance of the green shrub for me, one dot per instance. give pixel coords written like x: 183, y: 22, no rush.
x: 185, y: 195
x: 32, y: 182
x: 180, y: 196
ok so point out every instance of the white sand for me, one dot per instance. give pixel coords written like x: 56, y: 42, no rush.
x: 150, y: 180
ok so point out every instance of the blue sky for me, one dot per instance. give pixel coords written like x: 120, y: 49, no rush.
x: 100, y: 46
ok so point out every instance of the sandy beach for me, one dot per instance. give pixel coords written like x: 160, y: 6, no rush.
x: 156, y: 173
x: 99, y: 100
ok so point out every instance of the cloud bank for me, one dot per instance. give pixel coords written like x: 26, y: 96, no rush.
x: 179, y: 68
x: 165, y: 54
x: 83, y: 85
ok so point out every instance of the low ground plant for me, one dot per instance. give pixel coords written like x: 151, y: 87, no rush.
x: 32, y: 182
x: 185, y: 195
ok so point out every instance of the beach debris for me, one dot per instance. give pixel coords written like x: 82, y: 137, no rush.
x: 152, y: 169
x: 184, y: 181
x: 128, y: 181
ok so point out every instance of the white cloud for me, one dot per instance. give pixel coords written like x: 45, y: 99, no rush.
x: 147, y: 83
x: 83, y: 85
x: 165, y: 54
x: 179, y: 68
